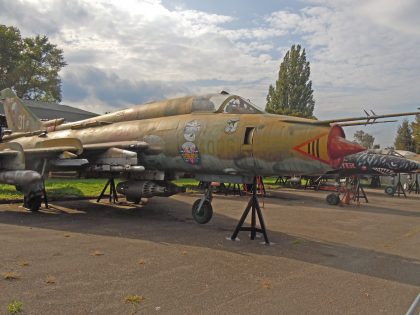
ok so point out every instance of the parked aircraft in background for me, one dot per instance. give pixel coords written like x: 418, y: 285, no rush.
x: 215, y: 137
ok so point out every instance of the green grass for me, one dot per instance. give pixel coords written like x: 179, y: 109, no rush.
x: 59, y: 188
x: 15, y: 307
x: 91, y: 188
x: 186, y: 182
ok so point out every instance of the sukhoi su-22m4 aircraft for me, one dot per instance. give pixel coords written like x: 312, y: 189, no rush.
x: 215, y: 137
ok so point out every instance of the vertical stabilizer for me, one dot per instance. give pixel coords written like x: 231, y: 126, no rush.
x: 18, y: 116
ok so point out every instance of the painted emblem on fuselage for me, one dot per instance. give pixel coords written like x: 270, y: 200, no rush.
x: 231, y: 126
x: 315, y: 148
x: 191, y: 129
x: 190, y: 153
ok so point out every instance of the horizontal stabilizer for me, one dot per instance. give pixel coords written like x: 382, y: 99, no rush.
x: 11, y: 156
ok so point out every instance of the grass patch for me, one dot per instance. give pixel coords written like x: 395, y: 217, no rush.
x: 15, y: 307
x: 133, y: 299
x: 10, y: 275
x: 91, y: 188
x: 298, y: 242
x: 60, y: 188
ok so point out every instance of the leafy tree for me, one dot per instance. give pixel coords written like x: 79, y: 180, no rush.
x: 30, y: 66
x: 415, y: 127
x: 364, y: 139
x: 292, y: 94
x: 404, y: 139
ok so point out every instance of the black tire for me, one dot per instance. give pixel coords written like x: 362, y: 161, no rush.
x: 390, y: 190
x: 33, y: 204
x: 205, y: 214
x: 333, y: 199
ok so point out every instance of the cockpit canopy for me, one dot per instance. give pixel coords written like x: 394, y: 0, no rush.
x: 224, y: 103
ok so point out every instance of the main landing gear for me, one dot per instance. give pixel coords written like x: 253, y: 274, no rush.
x: 33, y: 201
x: 202, y: 211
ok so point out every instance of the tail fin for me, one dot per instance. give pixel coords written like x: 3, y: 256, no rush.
x: 19, y: 118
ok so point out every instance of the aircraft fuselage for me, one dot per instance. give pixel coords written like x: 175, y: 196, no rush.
x: 216, y: 143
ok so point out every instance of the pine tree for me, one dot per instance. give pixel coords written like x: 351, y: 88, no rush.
x: 292, y: 94
x: 404, y: 139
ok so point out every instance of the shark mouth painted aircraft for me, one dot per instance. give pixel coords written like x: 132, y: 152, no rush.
x: 373, y: 163
x: 216, y: 137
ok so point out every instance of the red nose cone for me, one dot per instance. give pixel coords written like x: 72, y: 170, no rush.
x: 339, y: 147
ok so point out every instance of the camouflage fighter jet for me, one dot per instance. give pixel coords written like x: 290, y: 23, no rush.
x: 216, y: 137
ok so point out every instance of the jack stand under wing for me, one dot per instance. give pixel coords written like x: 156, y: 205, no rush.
x: 113, y: 196
x: 254, y: 206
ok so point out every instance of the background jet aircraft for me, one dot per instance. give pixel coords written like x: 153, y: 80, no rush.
x: 215, y: 137
x: 373, y: 163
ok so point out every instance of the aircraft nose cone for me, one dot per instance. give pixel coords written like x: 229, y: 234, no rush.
x: 339, y: 147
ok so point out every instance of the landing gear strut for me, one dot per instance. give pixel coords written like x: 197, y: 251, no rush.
x: 202, y: 211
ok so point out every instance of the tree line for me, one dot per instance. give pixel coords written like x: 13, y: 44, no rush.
x: 30, y: 65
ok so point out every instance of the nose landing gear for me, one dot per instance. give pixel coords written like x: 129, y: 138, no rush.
x: 202, y: 211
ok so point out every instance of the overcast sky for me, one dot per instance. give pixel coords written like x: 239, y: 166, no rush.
x: 363, y: 54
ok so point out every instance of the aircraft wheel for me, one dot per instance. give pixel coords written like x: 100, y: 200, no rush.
x: 205, y: 213
x: 390, y: 190
x: 333, y: 199
x: 33, y: 203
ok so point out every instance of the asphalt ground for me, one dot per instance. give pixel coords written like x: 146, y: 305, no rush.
x: 80, y: 257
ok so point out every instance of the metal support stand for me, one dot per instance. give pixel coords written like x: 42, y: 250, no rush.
x: 261, y: 186
x: 399, y: 188
x: 282, y: 180
x: 376, y: 182
x: 113, y: 196
x: 235, y: 188
x: 359, y: 192
x: 256, y: 210
x: 414, y: 186
x: 44, y: 193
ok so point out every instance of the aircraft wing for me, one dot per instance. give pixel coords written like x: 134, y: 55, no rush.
x: 68, y: 153
x: 51, y: 148
x: 127, y: 145
x: 11, y: 156
x: 114, y: 156
x: 362, y: 120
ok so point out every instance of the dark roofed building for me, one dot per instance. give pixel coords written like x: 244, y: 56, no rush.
x: 47, y: 111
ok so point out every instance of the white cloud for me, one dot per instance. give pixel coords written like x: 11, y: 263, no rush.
x: 362, y: 53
